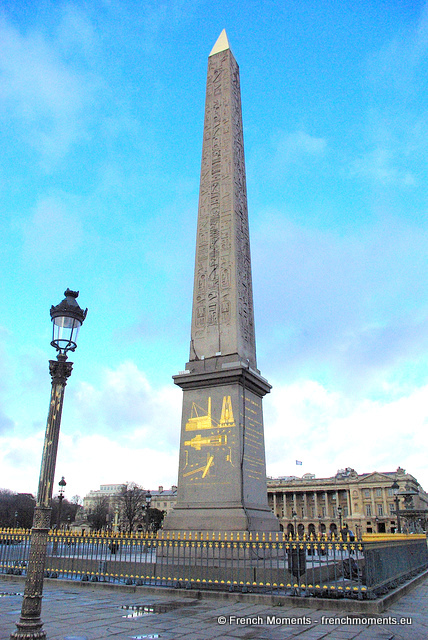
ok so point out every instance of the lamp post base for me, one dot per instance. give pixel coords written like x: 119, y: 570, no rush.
x: 29, y: 630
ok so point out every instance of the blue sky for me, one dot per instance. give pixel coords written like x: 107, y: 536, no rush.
x: 101, y: 114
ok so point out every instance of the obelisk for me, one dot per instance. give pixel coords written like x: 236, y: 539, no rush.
x: 222, y: 469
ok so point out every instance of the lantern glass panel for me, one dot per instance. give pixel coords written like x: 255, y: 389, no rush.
x: 65, y: 331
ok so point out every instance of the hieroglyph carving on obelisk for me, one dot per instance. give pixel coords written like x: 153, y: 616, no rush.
x: 223, y: 317
x: 222, y: 469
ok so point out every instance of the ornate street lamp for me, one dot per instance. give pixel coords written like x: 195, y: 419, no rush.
x: 395, y: 489
x: 62, y: 483
x: 294, y: 516
x: 67, y: 318
x: 339, y: 513
x: 148, y: 502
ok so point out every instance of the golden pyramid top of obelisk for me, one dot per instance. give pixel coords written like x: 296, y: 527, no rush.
x: 221, y: 45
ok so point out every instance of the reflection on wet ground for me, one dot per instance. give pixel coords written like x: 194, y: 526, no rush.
x: 140, y: 610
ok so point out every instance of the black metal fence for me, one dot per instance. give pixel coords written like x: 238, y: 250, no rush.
x: 272, y: 564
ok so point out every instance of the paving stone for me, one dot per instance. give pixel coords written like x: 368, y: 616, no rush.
x: 94, y: 616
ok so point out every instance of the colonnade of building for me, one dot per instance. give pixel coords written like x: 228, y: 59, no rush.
x: 365, y: 502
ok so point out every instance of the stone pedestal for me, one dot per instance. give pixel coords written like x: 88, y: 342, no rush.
x: 222, y: 472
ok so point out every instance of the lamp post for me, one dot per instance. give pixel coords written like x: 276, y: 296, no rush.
x: 294, y: 516
x: 395, y: 488
x: 339, y: 513
x: 62, y: 483
x: 67, y: 318
x: 319, y: 523
x: 148, y: 502
x: 116, y: 519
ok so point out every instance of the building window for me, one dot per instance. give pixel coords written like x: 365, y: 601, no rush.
x: 380, y: 509
x: 390, y: 492
x: 368, y: 509
x: 334, y: 512
x: 324, y: 512
x: 392, y: 509
x: 378, y: 492
x: 367, y: 493
x: 345, y: 512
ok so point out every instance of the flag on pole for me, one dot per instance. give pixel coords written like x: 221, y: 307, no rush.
x: 299, y: 462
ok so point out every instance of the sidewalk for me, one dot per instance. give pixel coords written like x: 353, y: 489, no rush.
x: 73, y: 613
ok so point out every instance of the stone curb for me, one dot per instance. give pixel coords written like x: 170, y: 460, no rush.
x: 352, y: 606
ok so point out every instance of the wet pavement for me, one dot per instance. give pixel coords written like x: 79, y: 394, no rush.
x: 73, y: 613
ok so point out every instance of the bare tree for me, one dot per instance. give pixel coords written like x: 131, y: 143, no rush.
x: 98, y: 516
x: 132, y: 498
x: 68, y: 511
x: 155, y: 519
x: 16, y: 509
x: 76, y: 505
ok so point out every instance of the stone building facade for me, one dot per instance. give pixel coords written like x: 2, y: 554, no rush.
x: 367, y: 502
x: 164, y: 499
x: 108, y: 491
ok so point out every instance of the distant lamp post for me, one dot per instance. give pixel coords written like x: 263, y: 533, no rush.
x: 16, y: 519
x: 339, y: 513
x: 62, y: 483
x: 67, y: 318
x: 148, y: 503
x: 395, y: 489
x: 294, y: 516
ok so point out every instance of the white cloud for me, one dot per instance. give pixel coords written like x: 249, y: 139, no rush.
x: 54, y: 230
x: 395, y: 126
x: 88, y: 461
x: 395, y: 66
x: 289, y: 148
x: 46, y: 97
x: 348, y: 306
x: 125, y: 403
x: 379, y: 166
x: 76, y: 32
x: 328, y: 431
x: 20, y: 462
x: 122, y: 429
